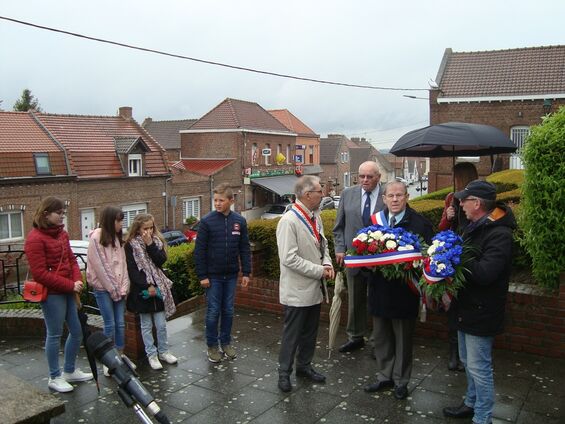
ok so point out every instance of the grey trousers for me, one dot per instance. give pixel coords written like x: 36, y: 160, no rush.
x: 393, y: 348
x: 357, y: 305
x: 299, y: 337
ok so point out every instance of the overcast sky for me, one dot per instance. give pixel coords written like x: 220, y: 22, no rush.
x: 392, y: 44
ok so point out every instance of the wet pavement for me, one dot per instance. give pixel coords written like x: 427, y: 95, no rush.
x: 529, y: 389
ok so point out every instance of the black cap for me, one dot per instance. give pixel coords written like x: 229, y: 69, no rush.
x: 478, y: 188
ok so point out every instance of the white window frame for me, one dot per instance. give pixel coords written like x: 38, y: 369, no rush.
x: 346, y: 179
x: 11, y: 236
x: 38, y: 157
x: 518, y: 135
x: 185, y: 208
x: 130, y: 211
x: 134, y: 165
x: 288, y: 158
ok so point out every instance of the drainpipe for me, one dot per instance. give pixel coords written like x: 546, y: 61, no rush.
x: 211, y: 193
x: 166, y: 197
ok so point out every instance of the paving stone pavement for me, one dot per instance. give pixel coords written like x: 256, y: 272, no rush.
x: 529, y: 389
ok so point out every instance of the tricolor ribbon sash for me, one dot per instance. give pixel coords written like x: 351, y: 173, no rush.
x: 446, y: 298
x: 395, y: 257
x: 379, y: 219
x: 313, y: 226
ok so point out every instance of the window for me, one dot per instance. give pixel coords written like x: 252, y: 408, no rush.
x: 134, y: 165
x: 346, y: 179
x: 191, y: 207
x: 288, y: 158
x: 11, y: 225
x: 254, y: 155
x: 311, y: 154
x: 130, y: 211
x: 42, y: 166
x: 267, y: 146
x: 518, y: 134
x: 344, y: 157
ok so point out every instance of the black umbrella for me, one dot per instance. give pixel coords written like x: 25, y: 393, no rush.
x: 83, y: 318
x: 453, y: 139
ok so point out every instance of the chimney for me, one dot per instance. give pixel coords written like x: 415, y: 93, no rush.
x: 125, y: 112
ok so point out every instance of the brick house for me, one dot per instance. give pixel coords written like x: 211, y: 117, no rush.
x: 335, y: 162
x: 88, y: 161
x: 261, y: 148
x: 508, y: 89
x: 307, y: 142
x: 167, y: 134
x: 363, y: 151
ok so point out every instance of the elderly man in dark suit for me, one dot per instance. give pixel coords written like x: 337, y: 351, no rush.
x: 393, y: 304
x: 356, y: 206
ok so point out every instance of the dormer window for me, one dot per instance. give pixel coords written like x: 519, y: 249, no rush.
x: 134, y: 165
x: 42, y: 166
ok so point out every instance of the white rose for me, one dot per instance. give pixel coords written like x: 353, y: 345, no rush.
x: 431, y: 250
x: 390, y: 244
x: 362, y: 237
x: 441, y: 267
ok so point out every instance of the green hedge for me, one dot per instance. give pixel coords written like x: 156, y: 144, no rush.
x: 180, y: 264
x: 544, y: 199
x: 181, y: 270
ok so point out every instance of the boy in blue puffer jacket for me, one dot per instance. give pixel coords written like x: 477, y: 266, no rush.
x: 221, y: 245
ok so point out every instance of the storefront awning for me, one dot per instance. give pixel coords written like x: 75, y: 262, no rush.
x: 280, y: 185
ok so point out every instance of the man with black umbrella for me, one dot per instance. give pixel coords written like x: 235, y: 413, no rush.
x: 479, y: 306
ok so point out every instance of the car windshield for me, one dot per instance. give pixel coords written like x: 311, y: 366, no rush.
x: 278, y: 209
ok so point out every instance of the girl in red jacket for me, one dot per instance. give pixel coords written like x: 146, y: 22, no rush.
x: 107, y: 274
x: 53, y: 264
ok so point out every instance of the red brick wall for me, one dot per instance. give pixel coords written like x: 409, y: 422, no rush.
x: 535, y: 322
x: 503, y: 115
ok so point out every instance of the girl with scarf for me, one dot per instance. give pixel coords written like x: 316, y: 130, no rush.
x: 108, y: 275
x: 150, y: 291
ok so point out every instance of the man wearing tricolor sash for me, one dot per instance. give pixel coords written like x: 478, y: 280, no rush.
x: 394, y: 303
x: 305, y: 264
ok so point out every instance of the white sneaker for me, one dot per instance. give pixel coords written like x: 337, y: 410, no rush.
x: 168, y: 357
x: 154, y: 362
x: 59, y: 384
x: 106, y: 371
x: 77, y: 375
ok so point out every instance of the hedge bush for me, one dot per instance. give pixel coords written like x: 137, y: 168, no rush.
x: 543, y: 199
x: 181, y: 270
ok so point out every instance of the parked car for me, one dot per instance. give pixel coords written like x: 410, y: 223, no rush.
x: 336, y: 202
x: 80, y: 249
x: 174, y: 238
x: 327, y: 203
x: 276, y: 211
x: 402, y: 180
x: 192, y: 232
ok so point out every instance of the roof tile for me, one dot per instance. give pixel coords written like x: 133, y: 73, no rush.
x: 285, y: 117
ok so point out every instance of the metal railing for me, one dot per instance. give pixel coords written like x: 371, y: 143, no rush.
x: 14, y: 271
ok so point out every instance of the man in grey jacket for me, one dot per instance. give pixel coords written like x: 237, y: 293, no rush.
x: 356, y: 206
x: 304, y: 262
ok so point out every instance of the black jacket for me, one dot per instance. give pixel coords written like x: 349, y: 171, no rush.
x: 222, y: 241
x: 480, y: 305
x: 393, y: 298
x: 138, y: 281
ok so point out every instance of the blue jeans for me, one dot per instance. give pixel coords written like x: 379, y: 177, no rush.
x: 113, y: 316
x: 220, y: 296
x: 476, y: 354
x: 58, y: 309
x: 160, y: 321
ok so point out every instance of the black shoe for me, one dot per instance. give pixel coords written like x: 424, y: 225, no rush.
x: 401, y: 392
x: 461, y: 411
x: 352, y: 345
x: 378, y: 386
x: 284, y: 383
x: 311, y: 374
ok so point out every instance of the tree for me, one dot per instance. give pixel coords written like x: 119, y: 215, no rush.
x: 27, y: 102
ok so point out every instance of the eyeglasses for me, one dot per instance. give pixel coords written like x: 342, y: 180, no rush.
x: 315, y: 191
x: 468, y: 198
